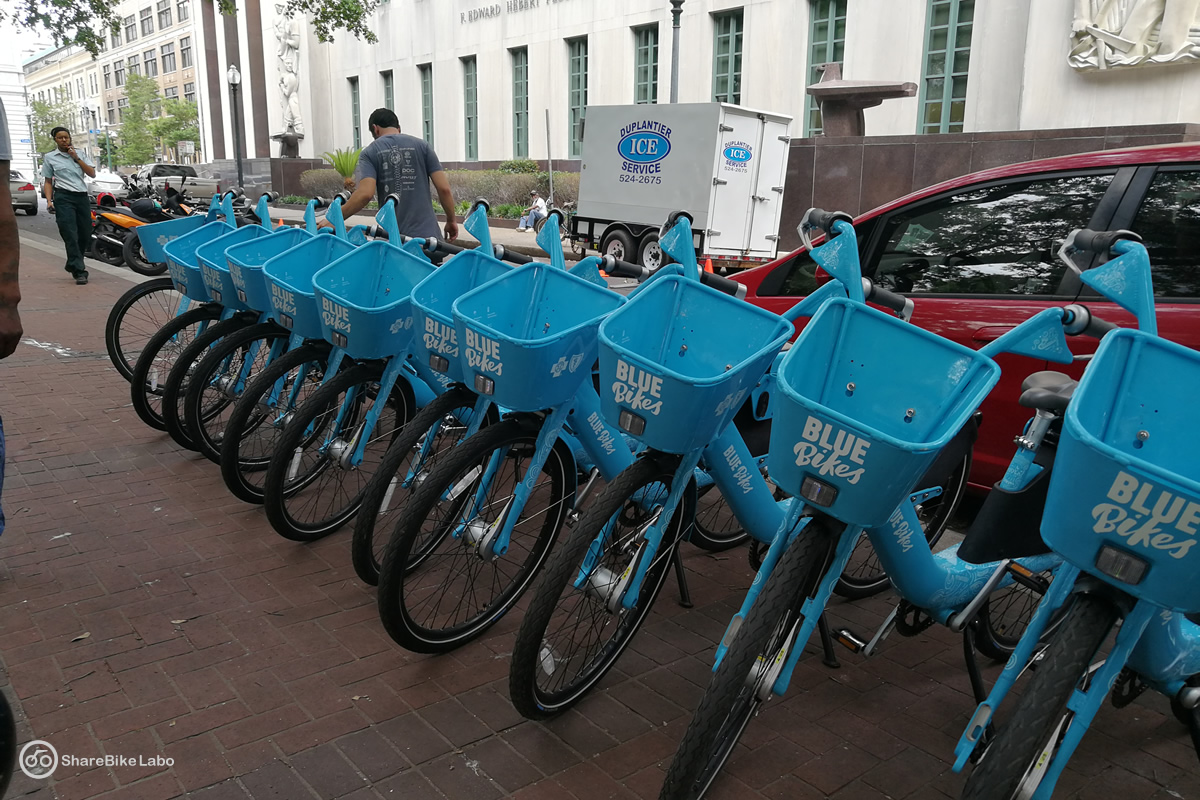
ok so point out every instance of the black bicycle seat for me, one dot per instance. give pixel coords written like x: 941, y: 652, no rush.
x: 1047, y: 390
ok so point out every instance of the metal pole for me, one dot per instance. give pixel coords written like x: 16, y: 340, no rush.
x: 237, y: 138
x: 549, y: 158
x: 676, y: 13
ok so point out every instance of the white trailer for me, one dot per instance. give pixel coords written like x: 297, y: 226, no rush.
x: 723, y: 164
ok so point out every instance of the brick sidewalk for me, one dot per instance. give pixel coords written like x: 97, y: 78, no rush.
x: 260, y: 667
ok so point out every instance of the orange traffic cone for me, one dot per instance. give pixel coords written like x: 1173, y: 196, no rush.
x: 708, y: 265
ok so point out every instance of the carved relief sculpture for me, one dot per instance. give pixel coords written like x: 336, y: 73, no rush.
x: 287, y: 36
x: 1110, y: 34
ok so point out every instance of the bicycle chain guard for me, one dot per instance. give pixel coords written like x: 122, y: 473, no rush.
x: 911, y: 620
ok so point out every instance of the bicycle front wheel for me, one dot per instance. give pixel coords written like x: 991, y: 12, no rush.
x: 436, y: 592
x: 312, y: 488
x: 737, y: 690
x: 1015, y: 762
x: 569, y: 637
x: 180, y: 376
x: 135, y: 317
x: 159, y: 356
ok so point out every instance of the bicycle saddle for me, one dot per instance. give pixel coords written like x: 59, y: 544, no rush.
x: 1047, y: 390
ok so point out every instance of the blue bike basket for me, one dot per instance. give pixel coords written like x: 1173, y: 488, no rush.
x: 528, y: 338
x: 433, y: 301
x: 678, y: 360
x: 366, y: 299
x: 157, y: 235
x: 290, y: 279
x: 865, y: 403
x: 246, y: 262
x: 1126, y: 478
x: 183, y: 264
x: 215, y: 271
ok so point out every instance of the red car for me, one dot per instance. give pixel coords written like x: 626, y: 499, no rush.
x: 978, y: 255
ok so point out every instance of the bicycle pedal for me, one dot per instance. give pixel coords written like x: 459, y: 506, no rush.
x: 1028, y: 578
x: 848, y: 640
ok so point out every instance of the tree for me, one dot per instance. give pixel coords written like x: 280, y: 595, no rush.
x: 178, y: 123
x: 47, y: 117
x: 88, y: 22
x: 104, y: 144
x: 137, y: 142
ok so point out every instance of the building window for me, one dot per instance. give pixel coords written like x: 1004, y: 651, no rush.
x: 116, y: 39
x: 150, y: 59
x: 181, y: 10
x: 471, y: 107
x: 189, y: 91
x: 130, y: 29
x: 947, y: 57
x: 577, y: 85
x: 168, y: 58
x: 122, y: 104
x: 520, y: 77
x: 171, y: 93
x: 826, y: 45
x: 645, y: 71
x: 79, y: 87
x: 389, y: 95
x: 147, y: 21
x: 112, y: 114
x: 119, y: 73
x: 94, y: 86
x: 164, y: 13
x: 355, y: 112
x: 727, y: 57
x: 185, y: 52
x: 426, y: 71
x: 132, y: 65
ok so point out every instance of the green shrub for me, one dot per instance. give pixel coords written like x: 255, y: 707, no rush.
x: 508, y: 188
x: 344, y: 160
x: 294, y: 199
x: 508, y: 211
x: 321, y: 182
x: 519, y: 166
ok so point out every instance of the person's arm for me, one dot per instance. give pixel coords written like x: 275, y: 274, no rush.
x: 10, y: 256
x: 48, y: 186
x: 87, y: 168
x: 364, y: 192
x: 446, y: 197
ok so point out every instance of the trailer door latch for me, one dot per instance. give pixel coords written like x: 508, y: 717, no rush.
x: 719, y: 182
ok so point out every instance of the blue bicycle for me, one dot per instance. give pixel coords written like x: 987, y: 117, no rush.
x: 1123, y: 509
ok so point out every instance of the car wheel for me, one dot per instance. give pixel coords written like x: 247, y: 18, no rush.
x: 619, y: 245
x: 31, y: 211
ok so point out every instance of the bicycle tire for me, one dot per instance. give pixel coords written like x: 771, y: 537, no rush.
x: 863, y: 577
x: 205, y: 422
x: 715, y: 529
x: 179, y: 377
x: 1036, y: 717
x: 135, y: 257
x: 366, y: 549
x: 728, y: 703
x: 414, y: 553
x: 157, y: 358
x: 254, y: 430
x: 1000, y: 627
x: 541, y: 654
x: 302, y: 478
x: 134, y: 318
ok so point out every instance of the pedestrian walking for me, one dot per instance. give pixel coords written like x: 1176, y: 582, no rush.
x: 67, y: 198
x: 537, y: 210
x: 396, y: 163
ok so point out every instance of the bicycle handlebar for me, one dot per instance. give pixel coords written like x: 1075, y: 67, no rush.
x: 623, y: 269
x: 726, y: 285
x: 903, y: 306
x: 434, y: 246
x: 820, y: 219
x: 1084, y: 323
x: 271, y: 196
x: 1099, y: 242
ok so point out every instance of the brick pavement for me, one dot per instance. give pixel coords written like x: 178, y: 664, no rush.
x: 260, y: 667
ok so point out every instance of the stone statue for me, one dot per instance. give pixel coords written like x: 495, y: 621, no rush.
x: 1108, y: 34
x: 288, y: 37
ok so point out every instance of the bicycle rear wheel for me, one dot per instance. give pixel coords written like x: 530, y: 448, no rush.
x: 569, y: 637
x: 735, y: 693
x: 311, y: 489
x: 178, y: 379
x: 159, y: 356
x: 259, y: 416
x: 135, y: 317
x: 213, y: 389
x: 436, y: 592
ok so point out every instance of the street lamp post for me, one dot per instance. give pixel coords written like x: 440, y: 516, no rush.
x: 676, y: 13
x: 235, y: 78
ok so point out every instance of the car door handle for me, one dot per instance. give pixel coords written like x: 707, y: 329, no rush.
x: 990, y: 333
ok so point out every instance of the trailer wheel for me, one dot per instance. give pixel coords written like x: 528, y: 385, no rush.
x: 650, y: 254
x: 619, y: 245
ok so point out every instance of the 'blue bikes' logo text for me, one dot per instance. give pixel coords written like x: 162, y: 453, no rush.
x: 737, y: 156
x: 643, y: 145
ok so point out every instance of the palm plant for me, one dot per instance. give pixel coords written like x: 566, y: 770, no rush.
x: 344, y: 161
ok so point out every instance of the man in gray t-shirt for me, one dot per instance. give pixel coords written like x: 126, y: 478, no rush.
x: 403, y: 165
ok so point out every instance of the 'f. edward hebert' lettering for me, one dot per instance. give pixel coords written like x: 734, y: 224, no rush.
x: 1149, y: 510
x: 825, y: 447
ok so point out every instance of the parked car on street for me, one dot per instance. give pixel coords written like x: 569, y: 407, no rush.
x: 978, y: 254
x: 24, y: 194
x: 180, y: 177
x: 109, y: 182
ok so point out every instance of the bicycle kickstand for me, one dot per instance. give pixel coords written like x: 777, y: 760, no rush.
x: 685, y: 596
x: 829, y: 657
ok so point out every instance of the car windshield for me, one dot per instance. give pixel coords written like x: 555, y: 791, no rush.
x: 177, y: 170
